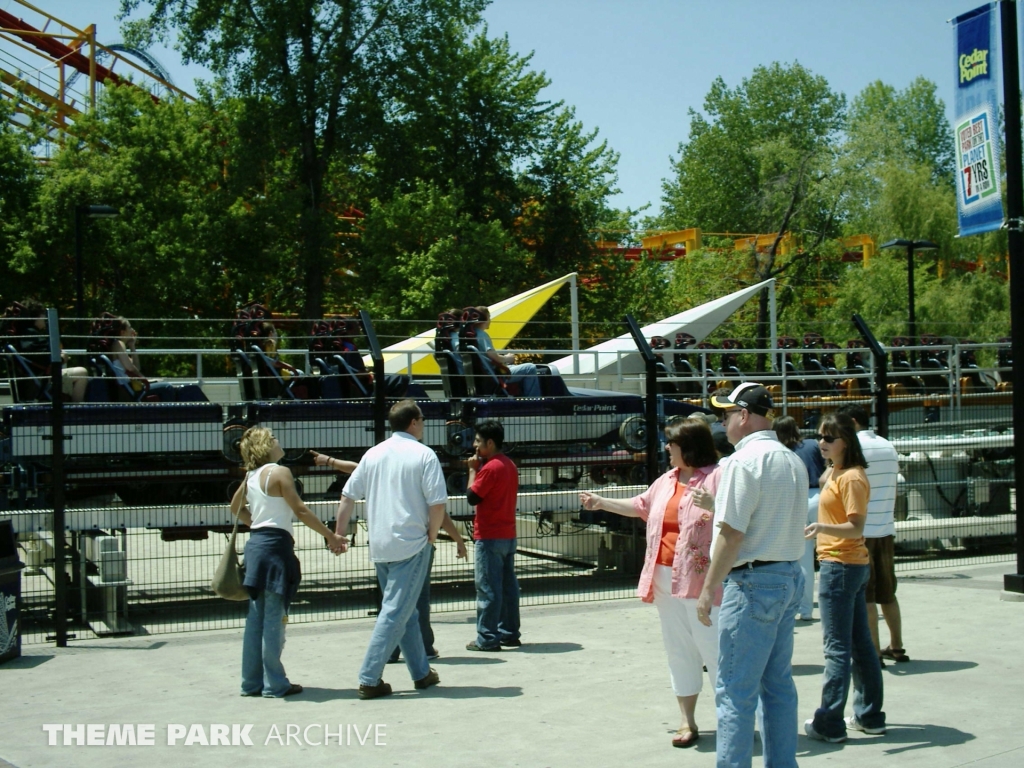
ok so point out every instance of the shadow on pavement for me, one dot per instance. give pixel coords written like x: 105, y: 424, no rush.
x: 925, y: 666
x: 550, y: 647
x: 27, y: 662
x: 898, y: 739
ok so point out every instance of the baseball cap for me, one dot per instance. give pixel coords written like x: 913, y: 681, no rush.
x: 749, y: 395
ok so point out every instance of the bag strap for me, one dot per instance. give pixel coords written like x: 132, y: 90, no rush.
x: 234, y: 528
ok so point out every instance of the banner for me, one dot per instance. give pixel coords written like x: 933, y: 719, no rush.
x: 976, y: 105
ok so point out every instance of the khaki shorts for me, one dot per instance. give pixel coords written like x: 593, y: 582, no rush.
x: 882, y: 582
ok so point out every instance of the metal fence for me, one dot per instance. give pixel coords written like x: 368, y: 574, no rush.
x: 146, y: 486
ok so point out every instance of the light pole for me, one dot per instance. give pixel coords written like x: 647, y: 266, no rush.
x: 86, y: 212
x: 911, y: 246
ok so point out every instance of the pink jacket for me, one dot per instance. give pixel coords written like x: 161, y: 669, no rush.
x: 693, y: 549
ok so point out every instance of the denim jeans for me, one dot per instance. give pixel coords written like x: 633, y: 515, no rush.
x: 806, y: 608
x: 497, y: 592
x: 262, y: 644
x: 398, y: 621
x: 423, y: 609
x: 755, y: 660
x: 525, y: 375
x: 844, y: 627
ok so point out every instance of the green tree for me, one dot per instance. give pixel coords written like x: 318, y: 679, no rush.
x: 19, y: 185
x: 763, y: 160
x: 310, y: 60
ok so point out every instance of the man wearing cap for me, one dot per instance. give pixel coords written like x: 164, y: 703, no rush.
x: 760, y: 514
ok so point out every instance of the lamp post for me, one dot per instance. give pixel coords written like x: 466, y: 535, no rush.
x: 911, y: 246
x: 86, y: 212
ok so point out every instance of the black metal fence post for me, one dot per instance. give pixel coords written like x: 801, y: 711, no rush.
x: 651, y: 398
x: 380, y: 413
x: 881, y: 376
x: 60, y: 587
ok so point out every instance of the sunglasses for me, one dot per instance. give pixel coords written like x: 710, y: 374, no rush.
x: 827, y: 438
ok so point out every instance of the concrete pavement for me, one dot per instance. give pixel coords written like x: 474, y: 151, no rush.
x: 588, y: 688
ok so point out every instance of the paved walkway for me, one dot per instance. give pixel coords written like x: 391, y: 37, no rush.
x: 589, y: 688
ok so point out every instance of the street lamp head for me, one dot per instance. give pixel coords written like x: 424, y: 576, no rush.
x: 917, y: 245
x: 98, y: 211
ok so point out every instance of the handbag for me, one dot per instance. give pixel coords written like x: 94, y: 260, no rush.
x: 228, y: 578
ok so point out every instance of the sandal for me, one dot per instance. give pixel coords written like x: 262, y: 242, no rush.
x: 685, y: 737
x: 896, y: 654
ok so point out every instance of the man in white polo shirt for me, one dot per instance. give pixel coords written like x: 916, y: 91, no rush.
x: 404, y: 488
x: 758, y: 538
x: 880, y: 533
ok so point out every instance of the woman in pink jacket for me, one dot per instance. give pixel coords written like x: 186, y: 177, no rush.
x: 678, y: 556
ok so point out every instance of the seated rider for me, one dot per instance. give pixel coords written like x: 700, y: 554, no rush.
x: 524, y: 374
x: 124, y: 358
x: 32, y: 341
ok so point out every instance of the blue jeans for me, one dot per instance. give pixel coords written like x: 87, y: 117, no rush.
x: 755, y: 660
x: 262, y: 644
x: 844, y: 626
x: 497, y: 592
x: 423, y: 609
x: 806, y: 608
x: 525, y: 375
x: 398, y: 620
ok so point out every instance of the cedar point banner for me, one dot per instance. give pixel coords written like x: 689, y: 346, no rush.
x: 979, y: 203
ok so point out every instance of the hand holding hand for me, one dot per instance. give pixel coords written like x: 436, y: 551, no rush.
x: 337, y: 543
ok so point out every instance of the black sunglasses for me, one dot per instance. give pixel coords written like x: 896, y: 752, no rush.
x: 827, y: 438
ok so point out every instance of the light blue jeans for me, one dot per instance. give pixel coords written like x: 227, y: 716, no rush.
x: 525, y: 375
x: 497, y: 592
x: 755, y: 660
x: 398, y: 620
x: 806, y: 608
x: 262, y: 644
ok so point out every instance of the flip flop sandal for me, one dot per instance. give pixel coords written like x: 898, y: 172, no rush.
x: 896, y: 654
x: 685, y: 737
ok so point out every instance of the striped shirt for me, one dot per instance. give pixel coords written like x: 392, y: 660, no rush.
x: 883, y: 471
x: 763, y: 494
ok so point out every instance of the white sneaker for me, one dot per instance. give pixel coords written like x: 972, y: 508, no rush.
x: 854, y: 724
x: 813, y: 734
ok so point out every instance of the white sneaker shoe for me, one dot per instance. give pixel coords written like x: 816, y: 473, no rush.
x: 813, y: 734
x: 855, y: 725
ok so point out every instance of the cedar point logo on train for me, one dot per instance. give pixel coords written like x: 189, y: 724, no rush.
x: 976, y: 164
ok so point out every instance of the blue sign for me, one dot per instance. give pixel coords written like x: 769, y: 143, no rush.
x: 979, y: 203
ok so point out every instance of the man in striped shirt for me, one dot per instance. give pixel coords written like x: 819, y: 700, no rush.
x: 880, y: 533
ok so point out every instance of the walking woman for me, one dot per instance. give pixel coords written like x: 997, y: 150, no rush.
x: 678, y: 556
x: 789, y: 435
x: 843, y: 577
x: 268, y: 503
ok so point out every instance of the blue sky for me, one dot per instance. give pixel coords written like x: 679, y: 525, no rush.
x: 633, y: 68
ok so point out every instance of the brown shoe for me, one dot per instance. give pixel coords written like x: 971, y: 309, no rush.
x: 430, y: 679
x: 685, y: 737
x: 375, y: 691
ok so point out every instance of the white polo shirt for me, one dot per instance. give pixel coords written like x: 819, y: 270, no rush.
x: 883, y: 472
x: 763, y: 494
x: 400, y: 479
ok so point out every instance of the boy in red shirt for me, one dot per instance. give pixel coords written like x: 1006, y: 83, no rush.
x: 493, y: 486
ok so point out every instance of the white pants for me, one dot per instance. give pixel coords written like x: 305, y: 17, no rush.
x: 688, y: 643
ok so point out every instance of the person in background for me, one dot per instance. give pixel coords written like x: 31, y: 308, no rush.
x: 677, y: 560
x: 524, y: 374
x: 493, y: 490
x: 268, y: 503
x: 807, y: 449
x: 33, y: 343
x: 880, y: 533
x: 845, y: 569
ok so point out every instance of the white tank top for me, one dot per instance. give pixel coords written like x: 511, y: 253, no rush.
x: 267, y: 511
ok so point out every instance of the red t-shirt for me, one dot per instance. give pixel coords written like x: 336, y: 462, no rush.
x: 497, y: 483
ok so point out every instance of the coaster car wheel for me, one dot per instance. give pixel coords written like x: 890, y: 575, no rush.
x: 633, y: 433
x: 233, y: 432
x: 457, y: 483
x: 459, y: 439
